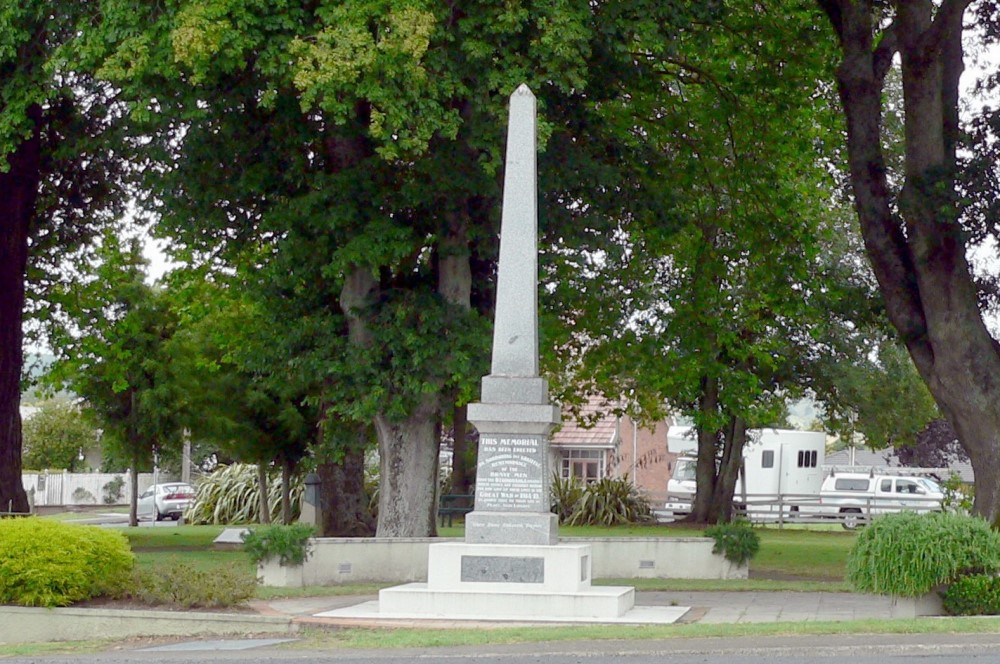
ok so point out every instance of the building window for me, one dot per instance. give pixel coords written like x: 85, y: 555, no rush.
x: 767, y: 459
x: 586, y: 465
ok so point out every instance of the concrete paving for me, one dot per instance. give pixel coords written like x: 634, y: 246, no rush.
x: 686, y: 607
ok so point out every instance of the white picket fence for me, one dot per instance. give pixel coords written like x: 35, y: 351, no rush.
x: 67, y: 489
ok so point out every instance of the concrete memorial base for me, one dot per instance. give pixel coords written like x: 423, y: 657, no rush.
x: 508, y: 582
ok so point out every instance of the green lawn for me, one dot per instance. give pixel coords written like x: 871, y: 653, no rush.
x: 789, y: 559
x: 788, y: 554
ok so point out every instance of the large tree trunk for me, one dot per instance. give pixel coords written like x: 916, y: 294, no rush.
x: 18, y: 193
x: 343, y: 503
x: 408, y: 473
x: 264, y: 506
x: 919, y: 258
x: 705, y: 470
x: 133, y: 494
x: 721, y: 509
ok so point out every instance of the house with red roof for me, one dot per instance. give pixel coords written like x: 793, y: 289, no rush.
x: 602, y: 441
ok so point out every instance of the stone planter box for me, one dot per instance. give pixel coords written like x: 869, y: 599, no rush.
x: 272, y: 573
x: 930, y: 604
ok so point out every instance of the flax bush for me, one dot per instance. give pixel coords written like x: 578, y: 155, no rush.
x: 609, y: 502
x: 231, y: 495
x: 909, y: 554
x: 566, y: 493
x: 47, y: 563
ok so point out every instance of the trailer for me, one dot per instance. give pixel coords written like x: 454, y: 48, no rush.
x: 776, y: 463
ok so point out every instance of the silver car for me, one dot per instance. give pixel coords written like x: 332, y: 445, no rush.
x: 165, y: 501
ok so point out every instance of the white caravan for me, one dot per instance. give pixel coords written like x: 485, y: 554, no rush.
x: 776, y: 462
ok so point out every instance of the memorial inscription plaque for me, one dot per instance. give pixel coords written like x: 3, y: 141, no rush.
x: 510, y: 476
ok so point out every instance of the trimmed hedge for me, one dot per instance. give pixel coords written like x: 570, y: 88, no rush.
x: 909, y: 554
x: 973, y: 595
x: 47, y: 563
x: 182, y: 585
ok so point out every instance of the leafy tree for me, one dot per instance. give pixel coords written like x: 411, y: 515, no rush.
x: 110, y: 332
x: 878, y: 395
x: 918, y: 224
x: 55, y: 179
x: 936, y: 446
x: 349, y: 157
x: 56, y: 435
x: 235, y: 391
x: 725, y: 310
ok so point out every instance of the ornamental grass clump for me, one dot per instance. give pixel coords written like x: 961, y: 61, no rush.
x: 909, y: 554
x: 48, y: 563
x: 610, y: 502
x: 231, y: 495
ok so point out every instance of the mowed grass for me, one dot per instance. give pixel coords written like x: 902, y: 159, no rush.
x: 191, y: 545
x: 384, y: 638
x: 789, y: 559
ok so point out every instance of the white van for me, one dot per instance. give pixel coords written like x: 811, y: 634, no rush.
x: 855, y: 497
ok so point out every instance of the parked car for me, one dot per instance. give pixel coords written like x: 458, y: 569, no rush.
x: 165, y: 501
x: 855, y: 497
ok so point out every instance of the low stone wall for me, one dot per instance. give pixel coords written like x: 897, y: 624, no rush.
x: 338, y: 560
x: 38, y: 625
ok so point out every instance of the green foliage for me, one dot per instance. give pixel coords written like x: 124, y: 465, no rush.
x: 181, y: 585
x: 910, y: 554
x: 231, y: 495
x: 113, y: 490
x: 957, y: 494
x: 81, y: 495
x: 610, y: 501
x: 55, y: 435
x: 566, y: 493
x: 111, y: 337
x: 48, y: 563
x: 289, y: 544
x: 973, y: 595
x: 736, y: 540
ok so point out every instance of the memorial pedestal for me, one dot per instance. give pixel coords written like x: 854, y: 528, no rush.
x: 508, y: 582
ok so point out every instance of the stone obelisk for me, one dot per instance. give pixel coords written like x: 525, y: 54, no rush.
x: 510, y: 565
x: 515, y: 417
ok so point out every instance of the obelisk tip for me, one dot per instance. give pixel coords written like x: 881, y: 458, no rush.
x: 523, y: 89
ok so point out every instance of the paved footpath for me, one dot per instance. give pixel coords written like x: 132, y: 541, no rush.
x: 706, y: 607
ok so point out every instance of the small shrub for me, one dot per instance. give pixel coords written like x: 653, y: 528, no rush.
x: 609, y: 502
x: 181, y: 585
x: 81, y: 495
x: 736, y: 540
x: 565, y: 494
x: 957, y: 496
x: 289, y: 544
x: 113, y: 490
x: 973, y: 595
x: 910, y: 554
x: 47, y: 563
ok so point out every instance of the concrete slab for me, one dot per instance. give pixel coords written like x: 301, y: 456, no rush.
x: 639, y: 615
x: 217, y: 644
